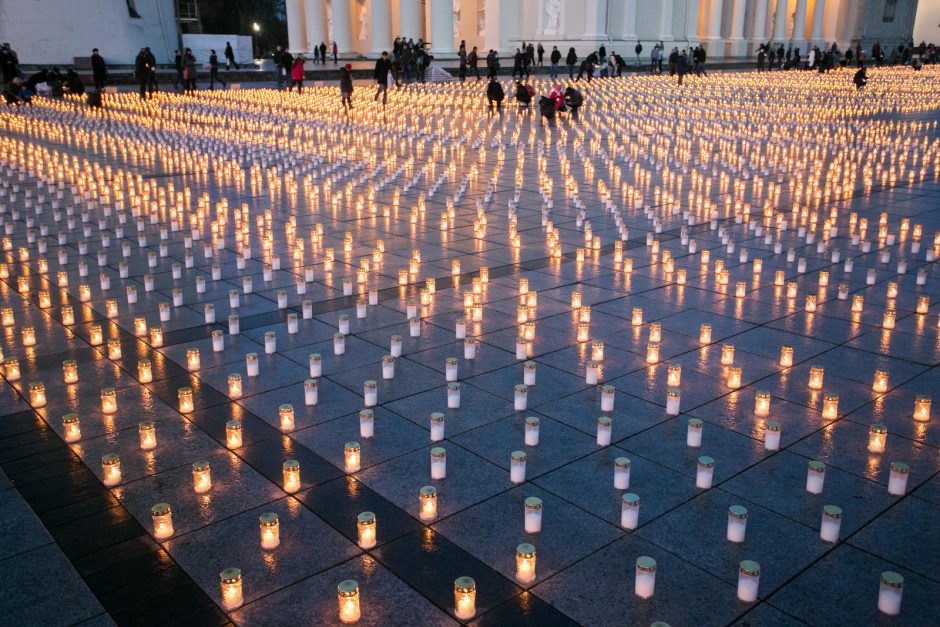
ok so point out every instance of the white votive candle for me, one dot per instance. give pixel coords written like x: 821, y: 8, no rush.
x: 645, y: 582
x: 533, y: 514
x: 453, y: 395
x: 890, y: 593
x: 737, y: 523
x: 450, y: 369
x: 673, y: 401
x: 897, y: 480
x: 772, y: 436
x: 520, y: 397
x: 704, y: 472
x: 693, y: 435
x: 748, y: 580
x: 608, y: 394
x: 629, y: 511
x: 815, y: 477
x: 437, y: 426
x: 370, y: 394
x: 517, y: 466
x: 622, y: 473
x: 531, y: 431
x: 438, y: 463
x: 831, y: 523
x: 528, y: 373
x: 605, y: 426
x: 366, y: 423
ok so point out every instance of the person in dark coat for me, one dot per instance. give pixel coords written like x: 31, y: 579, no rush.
x: 574, y: 100
x: 287, y: 64
x: 152, y: 84
x: 189, y: 70
x: 541, y: 52
x: 682, y: 66
x: 8, y: 63
x: 335, y: 53
x: 472, y: 60
x: 495, y: 94
x: 554, y: 58
x: 178, y: 64
x: 861, y: 78
x: 323, y: 52
x: 517, y: 63
x: 570, y: 60
x: 382, y: 67
x: 761, y: 58
x: 99, y: 71
x: 462, y: 55
x: 587, y: 67
x: 492, y: 64
x: 142, y: 72
x: 14, y: 93
x: 673, y: 61
x: 229, y: 56
x: 73, y: 83
x: 214, y: 70
x: 346, y: 86
x: 523, y: 95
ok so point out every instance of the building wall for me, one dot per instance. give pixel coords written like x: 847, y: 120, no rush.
x: 50, y: 32
x: 926, y: 23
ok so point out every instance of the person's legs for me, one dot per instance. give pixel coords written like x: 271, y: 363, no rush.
x: 143, y: 89
x: 300, y: 87
x: 213, y: 74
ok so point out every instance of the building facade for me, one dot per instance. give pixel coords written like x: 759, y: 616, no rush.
x: 728, y: 28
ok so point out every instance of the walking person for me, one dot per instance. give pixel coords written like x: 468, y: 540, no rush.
x: 554, y: 58
x: 214, y: 70
x: 99, y: 70
x: 229, y: 56
x: 346, y: 87
x: 382, y: 67
x: 141, y: 72
x: 570, y: 60
x: 178, y: 64
x: 462, y: 55
x: 492, y: 64
x: 297, y: 74
x: 517, y: 63
x: 472, y: 60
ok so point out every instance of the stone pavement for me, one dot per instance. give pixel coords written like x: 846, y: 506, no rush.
x: 153, y: 248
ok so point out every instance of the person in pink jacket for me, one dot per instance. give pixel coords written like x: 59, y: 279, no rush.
x: 297, y: 74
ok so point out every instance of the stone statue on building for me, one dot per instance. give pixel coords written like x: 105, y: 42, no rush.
x: 363, y: 21
x: 552, y: 17
x: 456, y: 10
x: 481, y: 19
x: 329, y: 21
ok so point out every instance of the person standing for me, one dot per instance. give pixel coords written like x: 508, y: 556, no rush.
x: 278, y: 58
x: 335, y: 53
x: 152, y: 84
x: 541, y: 52
x: 316, y: 54
x: 473, y: 59
x: 492, y: 64
x: 229, y: 56
x: 189, y: 70
x: 346, y: 87
x: 382, y: 67
x: 462, y: 55
x: 761, y: 57
x: 142, y: 72
x: 517, y: 63
x: 570, y: 61
x: 554, y: 58
x: 297, y: 74
x: 214, y: 70
x: 638, y: 49
x: 323, y: 52
x: 178, y: 64
x: 287, y: 64
x: 8, y: 63
x: 99, y: 71
x: 682, y: 65
x: 495, y: 94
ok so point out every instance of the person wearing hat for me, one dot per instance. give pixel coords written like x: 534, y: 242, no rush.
x: 346, y: 86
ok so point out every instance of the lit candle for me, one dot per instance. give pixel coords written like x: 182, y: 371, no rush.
x: 156, y: 337
x: 370, y: 394
x: 737, y: 523
x: 897, y: 480
x: 673, y: 375
x: 427, y: 501
x: 465, y: 598
x: 185, y: 395
x: 72, y: 428
x: 192, y: 359
x: 351, y: 457
x: 95, y: 335
x: 525, y: 563
x: 705, y: 334
x: 815, y: 477
x: 148, y: 435
x: 162, y: 519
x: 762, y: 404
x: 108, y: 400
x: 890, y: 593
x: 37, y: 394
x: 144, y: 371
x: 365, y: 527
x: 704, y: 472
x: 533, y: 514
x: 815, y: 378
x: 291, y: 473
x: 880, y: 384
x: 235, y: 385
x: 29, y: 336
x: 453, y: 395
x: 673, y: 401
x: 438, y: 463
x: 877, y: 435
x: 645, y: 582
x: 748, y: 580
x: 652, y: 353
x: 270, y: 530
x: 810, y: 303
x: 70, y: 371
x: 858, y: 303
x: 202, y: 477
x: 516, y: 467
x: 922, y: 408
x: 734, y: 377
x: 111, y: 469
x: 727, y: 354
x: 923, y: 304
x: 114, y: 349
x: 693, y: 437
x: 636, y: 318
x: 887, y: 321
x: 233, y: 434
x: 831, y: 522
x: 629, y: 511
x: 286, y: 415
x: 230, y: 581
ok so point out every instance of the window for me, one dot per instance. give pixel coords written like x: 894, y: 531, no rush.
x: 132, y: 10
x: 890, y: 7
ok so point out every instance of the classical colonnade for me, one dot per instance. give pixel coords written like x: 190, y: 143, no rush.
x: 728, y: 28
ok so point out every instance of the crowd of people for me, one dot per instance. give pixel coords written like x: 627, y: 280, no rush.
x: 771, y: 56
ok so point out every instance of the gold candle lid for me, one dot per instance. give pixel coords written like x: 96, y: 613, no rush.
x: 68, y: 419
x: 525, y: 550
x: 817, y: 466
x: 879, y: 428
x: 437, y: 416
x: 892, y: 579
x: 646, y: 563
x: 200, y: 466
x: 438, y: 451
x: 366, y: 518
x: 465, y: 584
x: 900, y: 467
x: 832, y: 511
x: 533, y: 502
x: 110, y: 459
x: 622, y: 462
x: 369, y: 384
x: 517, y: 456
x: 160, y: 509
x: 605, y: 421
x: 230, y: 575
x: 737, y: 511
x: 750, y: 568
x: 428, y: 492
x: 347, y: 588
x: 706, y: 461
x: 351, y: 447
x: 532, y: 421
x: 631, y: 500
x: 773, y: 425
x: 365, y: 414
x: 268, y: 519
x: 145, y: 425
x: 696, y: 423
x: 291, y: 464
x: 233, y: 424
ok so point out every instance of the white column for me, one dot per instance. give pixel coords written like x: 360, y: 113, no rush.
x: 665, y: 21
x: 442, y: 26
x: 315, y: 21
x: 595, y: 20
x: 296, y: 31
x: 409, y: 19
x: 380, y: 19
x: 819, y: 7
x: 691, y: 24
x: 798, y: 37
x: 714, y: 27
x: 780, y: 22
x: 629, y: 20
x: 342, y: 33
x: 759, y: 34
x: 737, y: 45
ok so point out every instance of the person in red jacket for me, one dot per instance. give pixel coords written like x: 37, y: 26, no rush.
x: 297, y: 74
